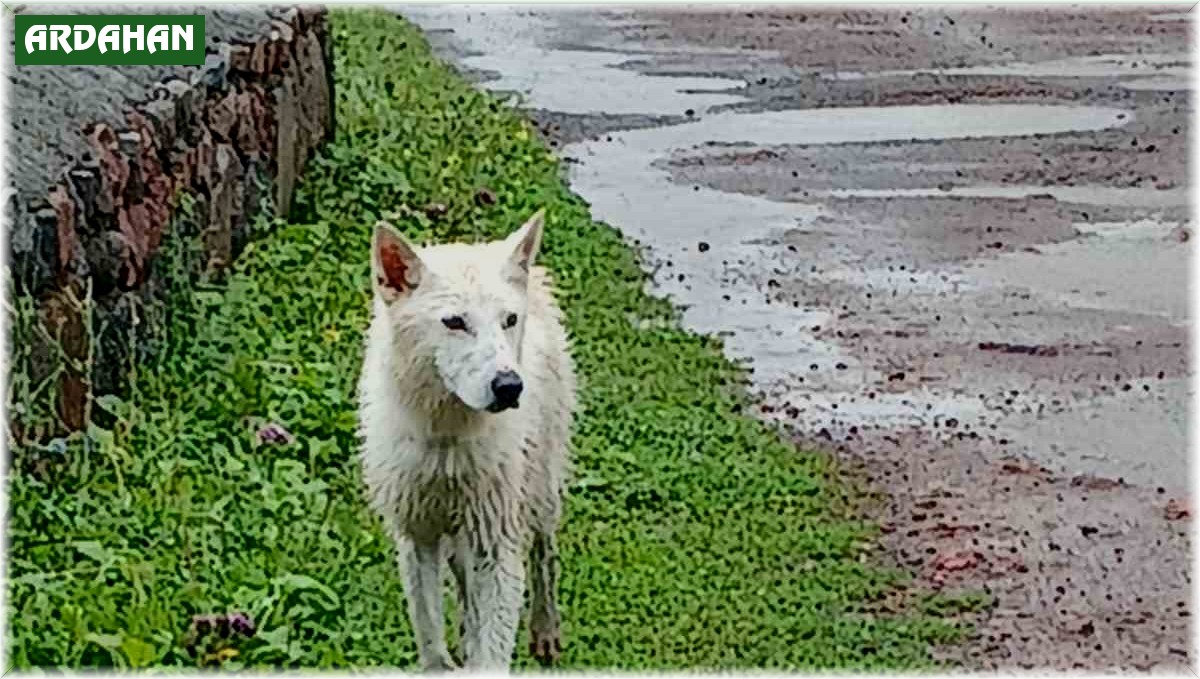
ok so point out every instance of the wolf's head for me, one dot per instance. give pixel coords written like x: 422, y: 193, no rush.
x: 458, y: 310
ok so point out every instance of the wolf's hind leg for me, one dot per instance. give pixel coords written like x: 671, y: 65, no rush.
x: 545, y: 634
x: 546, y: 502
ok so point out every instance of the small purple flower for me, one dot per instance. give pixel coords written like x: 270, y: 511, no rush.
x: 242, y: 624
x: 237, y: 623
x: 203, y: 624
x: 274, y: 433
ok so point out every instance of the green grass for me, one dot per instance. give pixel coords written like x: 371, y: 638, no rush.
x: 694, y: 538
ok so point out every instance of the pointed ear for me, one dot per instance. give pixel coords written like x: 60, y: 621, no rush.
x: 396, y: 270
x: 525, y: 243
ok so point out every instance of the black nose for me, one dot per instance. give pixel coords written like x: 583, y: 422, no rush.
x: 506, y: 387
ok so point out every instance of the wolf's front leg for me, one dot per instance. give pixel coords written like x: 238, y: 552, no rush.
x: 495, y: 585
x: 460, y: 560
x: 421, y: 565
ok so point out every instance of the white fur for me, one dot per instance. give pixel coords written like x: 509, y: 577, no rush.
x: 451, y: 480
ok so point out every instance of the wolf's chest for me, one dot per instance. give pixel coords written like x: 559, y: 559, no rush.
x: 443, y: 489
x: 433, y: 506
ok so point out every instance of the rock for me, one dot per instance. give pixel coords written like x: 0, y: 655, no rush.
x: 287, y: 115
x: 1177, y: 509
x: 95, y: 201
x: 225, y: 192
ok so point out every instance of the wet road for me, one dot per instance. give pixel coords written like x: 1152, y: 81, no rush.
x: 953, y: 247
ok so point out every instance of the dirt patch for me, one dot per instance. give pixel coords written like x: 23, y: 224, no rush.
x: 560, y: 129
x: 873, y: 39
x: 1027, y: 429
x: 1075, y: 582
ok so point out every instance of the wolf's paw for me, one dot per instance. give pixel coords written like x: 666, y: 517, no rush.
x: 440, y: 665
x: 545, y: 644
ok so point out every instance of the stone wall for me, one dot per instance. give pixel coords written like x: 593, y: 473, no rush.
x: 112, y: 166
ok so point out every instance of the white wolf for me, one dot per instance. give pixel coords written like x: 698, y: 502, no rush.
x: 460, y: 336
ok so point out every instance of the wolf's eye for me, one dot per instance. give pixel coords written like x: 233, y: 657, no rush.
x: 510, y: 321
x: 454, y: 322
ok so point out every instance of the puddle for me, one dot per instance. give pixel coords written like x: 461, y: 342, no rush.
x: 1135, y: 268
x: 1163, y: 84
x: 886, y: 411
x: 918, y: 283
x: 482, y: 29
x: 591, y: 82
x: 1166, y: 68
x: 1140, y: 230
x: 1099, y: 437
x: 1099, y: 66
x: 882, y: 124
x: 1173, y: 16
x: 583, y: 81
x: 775, y: 336
x: 1091, y: 195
